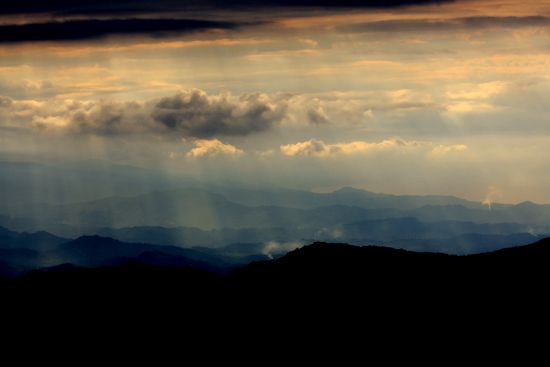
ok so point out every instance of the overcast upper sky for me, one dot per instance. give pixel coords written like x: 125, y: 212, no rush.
x: 424, y: 97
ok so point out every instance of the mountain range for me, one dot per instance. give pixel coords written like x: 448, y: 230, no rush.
x: 23, y: 252
x: 386, y: 278
x: 147, y: 206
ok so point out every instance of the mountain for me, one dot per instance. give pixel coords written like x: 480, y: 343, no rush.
x: 333, y: 270
x: 190, y: 207
x: 39, y: 241
x: 412, y: 228
x: 348, y: 196
x: 8, y: 270
x: 535, y: 215
x: 72, y: 198
x: 20, y: 256
x: 199, y: 208
x: 471, y: 243
x: 25, y: 186
x: 196, y: 237
x: 444, y: 236
x: 381, y: 279
x: 161, y: 259
x: 94, y: 251
x: 100, y: 251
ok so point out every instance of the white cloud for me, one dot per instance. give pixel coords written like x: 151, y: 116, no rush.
x: 273, y: 248
x: 444, y: 149
x: 192, y: 113
x: 212, y: 148
x: 318, y: 148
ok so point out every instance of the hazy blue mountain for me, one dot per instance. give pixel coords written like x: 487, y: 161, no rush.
x: 412, y: 228
x: 97, y: 251
x: 158, y: 258
x: 348, y: 196
x: 195, y: 237
x: 247, y: 252
x: 525, y: 213
x: 410, y: 233
x: 72, y: 199
x: 202, y: 209
x: 144, y: 206
x: 9, y: 270
x: 472, y: 243
x: 190, y: 207
x: 39, y: 241
x: 20, y: 257
x: 27, y: 188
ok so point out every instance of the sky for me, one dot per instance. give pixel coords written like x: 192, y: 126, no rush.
x: 404, y: 97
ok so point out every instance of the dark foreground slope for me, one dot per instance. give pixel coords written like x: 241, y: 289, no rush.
x: 329, y: 292
x: 316, y: 275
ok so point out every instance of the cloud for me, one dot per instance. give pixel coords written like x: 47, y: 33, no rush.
x: 73, y: 30
x: 320, y: 149
x: 444, y: 149
x: 5, y: 101
x: 103, y: 7
x: 316, y: 114
x: 108, y: 118
x: 274, y: 248
x: 212, y: 148
x: 71, y: 20
x: 438, y: 25
x: 478, y: 91
x: 194, y: 113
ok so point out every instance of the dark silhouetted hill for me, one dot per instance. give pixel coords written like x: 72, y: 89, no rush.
x: 95, y: 251
x: 39, y: 241
x: 366, y: 288
x: 323, y: 270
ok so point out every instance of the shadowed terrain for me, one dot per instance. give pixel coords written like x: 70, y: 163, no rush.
x: 319, y: 274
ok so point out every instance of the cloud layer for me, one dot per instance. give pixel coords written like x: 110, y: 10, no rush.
x: 102, y: 7
x: 196, y: 114
x: 74, y: 30
x: 68, y: 20
x: 320, y: 149
x: 212, y: 148
x: 191, y: 113
x: 451, y: 24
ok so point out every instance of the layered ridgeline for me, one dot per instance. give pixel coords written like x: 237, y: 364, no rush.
x: 24, y: 252
x: 386, y: 278
x: 137, y: 205
x: 21, y: 253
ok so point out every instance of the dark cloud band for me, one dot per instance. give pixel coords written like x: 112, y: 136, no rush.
x: 89, y: 29
x: 84, y: 7
x: 73, y: 20
x: 429, y: 25
x: 191, y: 113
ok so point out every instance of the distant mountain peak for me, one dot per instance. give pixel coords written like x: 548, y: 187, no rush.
x: 349, y: 189
x: 526, y: 204
x: 353, y: 190
x: 94, y: 238
x: 93, y: 241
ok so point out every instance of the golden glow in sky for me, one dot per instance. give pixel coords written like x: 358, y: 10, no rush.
x: 438, y: 98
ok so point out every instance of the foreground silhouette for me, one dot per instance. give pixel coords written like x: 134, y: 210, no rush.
x: 318, y: 275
